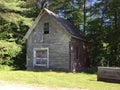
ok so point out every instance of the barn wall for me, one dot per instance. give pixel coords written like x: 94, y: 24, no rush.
x: 82, y: 62
x: 57, y: 41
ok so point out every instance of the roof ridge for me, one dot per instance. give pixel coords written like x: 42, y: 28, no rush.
x: 50, y: 12
x: 66, y: 24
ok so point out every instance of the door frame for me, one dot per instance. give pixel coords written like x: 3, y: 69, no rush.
x: 74, y: 56
x: 34, y: 57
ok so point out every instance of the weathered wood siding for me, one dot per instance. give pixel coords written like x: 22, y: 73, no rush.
x: 57, y: 41
x: 109, y: 74
x: 82, y: 62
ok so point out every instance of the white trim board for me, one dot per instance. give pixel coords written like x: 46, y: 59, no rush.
x: 34, y: 57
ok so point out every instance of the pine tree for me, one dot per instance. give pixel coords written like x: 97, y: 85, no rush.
x: 104, y: 36
x: 13, y: 25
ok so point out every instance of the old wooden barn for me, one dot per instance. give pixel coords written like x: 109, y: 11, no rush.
x: 55, y: 43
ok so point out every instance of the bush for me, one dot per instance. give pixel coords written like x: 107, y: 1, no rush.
x: 8, y: 51
x: 91, y: 70
x: 20, y: 59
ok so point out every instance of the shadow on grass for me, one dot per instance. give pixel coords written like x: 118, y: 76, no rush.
x: 92, y: 70
x: 52, y: 70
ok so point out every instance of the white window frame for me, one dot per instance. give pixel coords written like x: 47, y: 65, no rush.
x: 34, y: 57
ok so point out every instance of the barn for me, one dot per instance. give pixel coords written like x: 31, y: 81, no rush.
x: 55, y: 43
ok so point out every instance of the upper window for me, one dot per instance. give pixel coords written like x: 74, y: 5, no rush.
x: 46, y: 28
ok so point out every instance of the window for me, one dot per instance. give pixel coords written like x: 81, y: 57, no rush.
x: 46, y: 28
x: 41, y: 57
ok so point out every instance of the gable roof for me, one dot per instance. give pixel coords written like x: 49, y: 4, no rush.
x: 67, y: 26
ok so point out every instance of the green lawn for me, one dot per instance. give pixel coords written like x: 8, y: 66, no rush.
x: 57, y: 79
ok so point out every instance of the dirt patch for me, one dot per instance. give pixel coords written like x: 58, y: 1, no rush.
x: 7, y: 86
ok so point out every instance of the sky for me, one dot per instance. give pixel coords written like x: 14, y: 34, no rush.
x: 91, y: 2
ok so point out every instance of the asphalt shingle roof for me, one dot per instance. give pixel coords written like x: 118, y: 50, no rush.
x: 69, y: 27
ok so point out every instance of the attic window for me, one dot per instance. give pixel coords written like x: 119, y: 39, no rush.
x: 46, y: 28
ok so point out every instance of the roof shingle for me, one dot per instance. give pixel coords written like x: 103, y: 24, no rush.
x: 67, y: 25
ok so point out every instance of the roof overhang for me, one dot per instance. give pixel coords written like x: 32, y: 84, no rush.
x: 38, y: 19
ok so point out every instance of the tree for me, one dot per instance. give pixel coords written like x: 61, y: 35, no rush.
x: 13, y: 25
x: 103, y: 35
x: 68, y: 9
x: 35, y: 7
x: 11, y: 18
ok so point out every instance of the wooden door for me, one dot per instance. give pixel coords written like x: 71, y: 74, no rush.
x: 75, y: 58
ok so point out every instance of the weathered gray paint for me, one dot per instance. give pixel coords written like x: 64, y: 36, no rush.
x: 57, y: 41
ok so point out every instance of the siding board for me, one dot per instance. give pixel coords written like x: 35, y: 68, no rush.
x: 58, y: 46
x: 58, y: 41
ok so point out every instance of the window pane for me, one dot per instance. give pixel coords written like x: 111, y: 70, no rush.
x: 41, y: 61
x: 41, y: 54
x: 46, y: 28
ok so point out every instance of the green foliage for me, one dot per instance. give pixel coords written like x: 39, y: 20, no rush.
x: 69, y: 9
x: 13, y: 26
x: 8, y: 50
x: 20, y: 59
x: 103, y: 33
x: 35, y: 7
x: 92, y: 70
x: 11, y: 12
x: 102, y: 20
x: 5, y: 68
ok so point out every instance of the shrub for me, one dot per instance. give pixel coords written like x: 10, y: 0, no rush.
x: 91, y: 70
x: 8, y: 50
x: 20, y: 59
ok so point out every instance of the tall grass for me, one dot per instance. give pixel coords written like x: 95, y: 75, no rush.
x: 5, y: 68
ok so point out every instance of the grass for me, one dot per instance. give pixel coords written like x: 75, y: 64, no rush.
x: 5, y: 68
x: 57, y: 79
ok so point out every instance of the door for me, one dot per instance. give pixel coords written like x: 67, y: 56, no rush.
x: 41, y: 57
x: 75, y: 57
